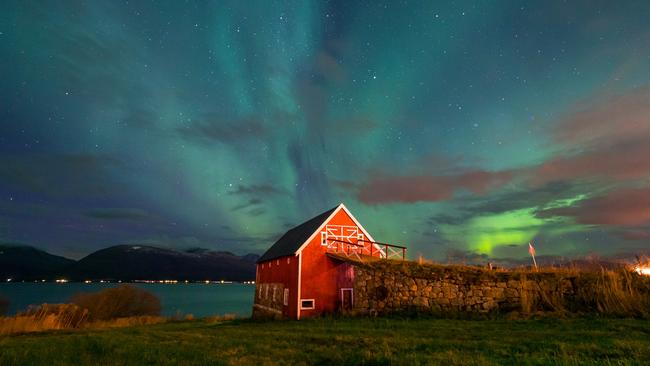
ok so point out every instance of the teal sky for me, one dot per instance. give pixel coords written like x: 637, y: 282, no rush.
x: 461, y: 130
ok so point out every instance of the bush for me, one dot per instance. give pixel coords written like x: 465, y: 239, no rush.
x: 4, y: 306
x: 119, y: 302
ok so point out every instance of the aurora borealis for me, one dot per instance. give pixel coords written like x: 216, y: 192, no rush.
x: 467, y: 128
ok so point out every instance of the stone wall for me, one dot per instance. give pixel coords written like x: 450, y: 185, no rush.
x: 388, y: 286
x: 268, y: 301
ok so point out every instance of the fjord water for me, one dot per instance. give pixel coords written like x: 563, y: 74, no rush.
x: 198, y: 299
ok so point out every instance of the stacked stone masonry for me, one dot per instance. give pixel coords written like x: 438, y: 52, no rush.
x: 385, y: 289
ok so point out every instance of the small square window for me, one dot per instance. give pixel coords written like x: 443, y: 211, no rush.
x: 307, y: 304
x: 323, y: 238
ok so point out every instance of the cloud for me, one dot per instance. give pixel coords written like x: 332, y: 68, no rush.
x: 447, y: 219
x: 623, y: 207
x: 256, y: 212
x: 410, y: 189
x: 258, y: 190
x: 59, y: 174
x: 329, y: 68
x: 312, y: 186
x: 608, y: 120
x: 213, y: 129
x: 254, y: 194
x: 629, y: 159
x: 640, y: 234
x: 249, y: 203
x: 117, y: 213
x: 605, y: 139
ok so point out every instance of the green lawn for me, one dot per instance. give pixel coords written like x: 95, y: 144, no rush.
x: 343, y: 341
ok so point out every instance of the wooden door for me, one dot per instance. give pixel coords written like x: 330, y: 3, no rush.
x: 347, y: 298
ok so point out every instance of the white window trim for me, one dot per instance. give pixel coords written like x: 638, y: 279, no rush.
x: 313, y: 304
x: 323, y: 238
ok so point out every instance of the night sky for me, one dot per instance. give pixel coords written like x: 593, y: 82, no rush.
x: 466, y: 129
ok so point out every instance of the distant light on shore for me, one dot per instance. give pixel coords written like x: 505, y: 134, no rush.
x: 65, y: 280
x: 645, y: 271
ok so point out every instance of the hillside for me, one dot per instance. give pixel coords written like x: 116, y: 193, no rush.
x: 126, y: 262
x: 22, y: 262
x: 141, y: 262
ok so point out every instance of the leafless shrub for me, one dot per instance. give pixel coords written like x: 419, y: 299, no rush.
x: 119, y: 302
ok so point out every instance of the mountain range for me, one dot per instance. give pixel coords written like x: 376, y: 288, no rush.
x: 126, y: 263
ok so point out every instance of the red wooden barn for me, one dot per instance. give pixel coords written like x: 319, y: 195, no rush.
x: 303, y: 273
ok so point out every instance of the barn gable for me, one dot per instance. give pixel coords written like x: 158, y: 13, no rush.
x: 323, y: 224
x: 293, y: 239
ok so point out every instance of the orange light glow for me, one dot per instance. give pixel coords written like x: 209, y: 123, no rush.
x: 645, y: 271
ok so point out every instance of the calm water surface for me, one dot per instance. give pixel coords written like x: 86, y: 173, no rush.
x: 198, y: 299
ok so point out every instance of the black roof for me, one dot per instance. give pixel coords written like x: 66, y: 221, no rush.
x: 291, y: 241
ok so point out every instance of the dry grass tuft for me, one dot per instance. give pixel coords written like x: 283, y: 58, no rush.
x: 4, y: 306
x: 66, y: 316
x: 44, y: 317
x: 122, y: 306
x: 126, y: 322
x: 220, y: 318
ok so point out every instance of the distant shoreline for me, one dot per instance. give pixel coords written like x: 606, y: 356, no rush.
x: 162, y: 282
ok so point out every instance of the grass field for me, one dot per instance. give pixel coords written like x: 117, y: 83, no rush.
x: 383, y: 341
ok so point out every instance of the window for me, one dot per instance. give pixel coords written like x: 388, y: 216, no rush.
x: 286, y: 297
x: 306, y: 304
x: 288, y: 260
x: 360, y: 237
x: 323, y: 238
